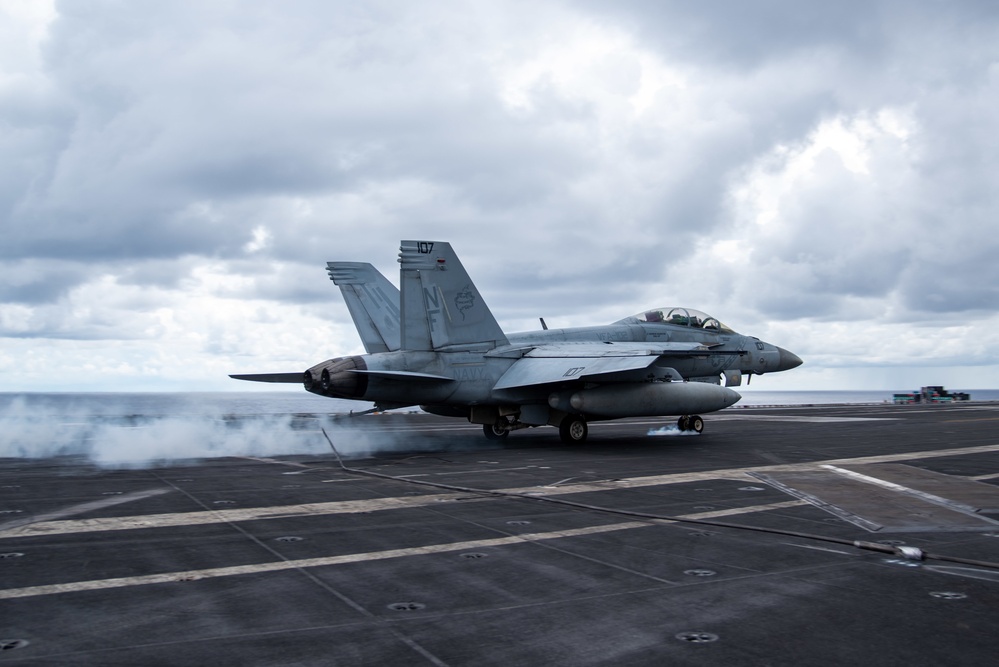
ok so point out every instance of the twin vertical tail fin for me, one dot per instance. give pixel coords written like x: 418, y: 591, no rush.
x: 440, y: 305
x: 373, y: 303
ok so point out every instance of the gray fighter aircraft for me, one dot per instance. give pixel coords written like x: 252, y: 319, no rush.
x: 436, y: 344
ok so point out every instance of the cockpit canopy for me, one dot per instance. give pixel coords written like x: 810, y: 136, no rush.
x: 683, y: 317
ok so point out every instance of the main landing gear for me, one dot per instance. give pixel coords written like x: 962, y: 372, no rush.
x: 690, y: 423
x: 496, y: 431
x: 573, y: 430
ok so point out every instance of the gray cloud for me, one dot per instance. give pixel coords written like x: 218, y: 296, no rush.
x: 171, y: 170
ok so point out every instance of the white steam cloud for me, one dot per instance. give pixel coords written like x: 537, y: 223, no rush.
x: 142, y: 440
x: 669, y: 431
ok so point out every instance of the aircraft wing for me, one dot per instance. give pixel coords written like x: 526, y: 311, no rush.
x: 616, y: 349
x: 543, y: 370
x: 562, y: 362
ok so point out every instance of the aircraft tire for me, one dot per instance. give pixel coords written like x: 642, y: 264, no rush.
x: 683, y: 423
x: 573, y: 430
x: 494, y: 432
x: 696, y: 423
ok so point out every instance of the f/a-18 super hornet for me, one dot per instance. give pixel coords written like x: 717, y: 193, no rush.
x: 436, y: 344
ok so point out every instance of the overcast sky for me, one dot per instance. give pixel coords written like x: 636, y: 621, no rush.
x: 174, y: 176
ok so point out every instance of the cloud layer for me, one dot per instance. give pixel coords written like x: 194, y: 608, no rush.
x: 175, y: 177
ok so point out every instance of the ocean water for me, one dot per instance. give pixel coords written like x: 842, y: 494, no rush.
x: 751, y: 397
x: 215, y: 404
x: 226, y: 404
x: 143, y: 429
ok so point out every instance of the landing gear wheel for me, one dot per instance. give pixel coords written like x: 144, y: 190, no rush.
x: 683, y: 423
x: 573, y: 430
x: 696, y: 423
x: 494, y: 431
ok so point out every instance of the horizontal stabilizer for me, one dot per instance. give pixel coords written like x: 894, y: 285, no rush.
x: 285, y: 378
x: 403, y: 375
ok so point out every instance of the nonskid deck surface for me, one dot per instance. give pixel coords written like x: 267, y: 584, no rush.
x: 293, y: 561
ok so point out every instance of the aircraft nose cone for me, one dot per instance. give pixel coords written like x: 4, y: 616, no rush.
x: 788, y: 360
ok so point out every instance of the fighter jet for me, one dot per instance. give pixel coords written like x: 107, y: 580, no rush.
x: 442, y: 349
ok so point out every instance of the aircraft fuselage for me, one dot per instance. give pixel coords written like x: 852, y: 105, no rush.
x: 443, y: 349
